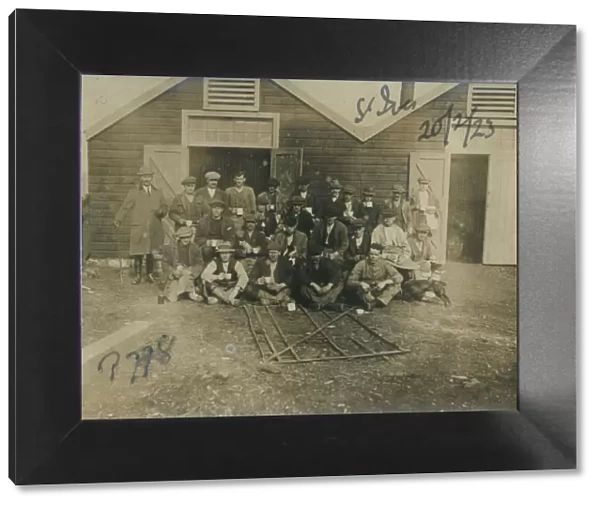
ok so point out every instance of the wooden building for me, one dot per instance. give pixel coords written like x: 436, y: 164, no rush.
x: 285, y: 128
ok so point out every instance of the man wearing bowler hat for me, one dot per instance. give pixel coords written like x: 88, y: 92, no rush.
x: 303, y: 191
x: 271, y: 278
x: 214, y: 229
x: 210, y: 192
x: 291, y: 242
x: 359, y: 244
x: 184, y: 211
x: 333, y: 199
x: 182, y: 264
x: 224, y: 277
x: 298, y: 211
x: 401, y: 207
x: 148, y: 207
x: 367, y: 209
x: 331, y: 234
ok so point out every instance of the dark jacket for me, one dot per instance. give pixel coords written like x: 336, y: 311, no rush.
x: 324, y: 202
x: 203, y: 199
x: 354, y: 253
x: 336, y: 241
x: 284, y: 270
x: 258, y: 240
x: 306, y: 223
x: 174, y: 255
x: 299, y: 243
x: 371, y: 215
x: 326, y: 272
x: 267, y: 224
x: 182, y: 209
x: 226, y: 230
x: 404, y: 216
x: 310, y: 200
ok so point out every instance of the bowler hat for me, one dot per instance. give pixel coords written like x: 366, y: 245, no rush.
x: 189, y: 180
x: 225, y: 247
x: 368, y: 190
x: 398, y: 188
x: 212, y: 175
x: 272, y: 182
x: 145, y: 171
x: 184, y: 232
x: 303, y: 180
x: 335, y: 185
x: 289, y: 220
x: 314, y: 249
x: 332, y: 212
x: 216, y: 202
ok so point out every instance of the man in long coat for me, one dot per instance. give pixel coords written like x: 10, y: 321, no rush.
x: 148, y: 207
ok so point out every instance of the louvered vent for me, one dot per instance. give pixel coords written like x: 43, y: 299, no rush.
x: 494, y: 101
x: 225, y: 94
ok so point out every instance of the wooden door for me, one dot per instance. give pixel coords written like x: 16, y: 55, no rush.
x: 286, y: 166
x: 167, y: 163
x: 434, y: 166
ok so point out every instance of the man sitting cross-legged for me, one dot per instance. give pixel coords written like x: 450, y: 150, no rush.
x: 374, y: 281
x: 224, y: 278
x: 182, y: 264
x: 271, y: 278
x: 319, y: 279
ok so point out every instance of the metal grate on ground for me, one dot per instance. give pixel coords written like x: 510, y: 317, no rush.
x: 274, y: 345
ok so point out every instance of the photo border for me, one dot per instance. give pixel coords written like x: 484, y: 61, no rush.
x: 49, y: 443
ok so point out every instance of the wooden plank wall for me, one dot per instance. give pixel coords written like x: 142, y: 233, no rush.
x: 116, y: 153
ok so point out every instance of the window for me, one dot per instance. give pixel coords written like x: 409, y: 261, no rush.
x: 229, y: 94
x: 494, y: 101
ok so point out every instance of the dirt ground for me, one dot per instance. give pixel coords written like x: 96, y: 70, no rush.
x: 460, y: 358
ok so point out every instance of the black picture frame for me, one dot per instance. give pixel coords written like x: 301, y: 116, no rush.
x: 49, y: 443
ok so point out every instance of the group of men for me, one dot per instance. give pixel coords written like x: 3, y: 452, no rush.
x: 231, y: 244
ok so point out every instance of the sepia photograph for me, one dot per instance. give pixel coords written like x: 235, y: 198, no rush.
x: 256, y: 247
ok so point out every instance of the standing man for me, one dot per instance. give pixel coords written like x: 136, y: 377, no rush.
x: 240, y: 200
x: 303, y: 191
x: 271, y: 278
x: 182, y: 265
x: 320, y: 280
x: 273, y: 197
x: 367, y: 209
x: 213, y: 229
x: 224, y: 278
x: 210, y: 192
x: 184, y: 211
x: 425, y: 205
x: 374, y: 281
x: 148, y: 207
x: 331, y: 234
x: 401, y: 208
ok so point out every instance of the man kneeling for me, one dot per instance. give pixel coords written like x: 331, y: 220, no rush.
x: 271, y: 278
x: 224, y: 278
x: 182, y: 264
x: 320, y: 279
x: 374, y: 281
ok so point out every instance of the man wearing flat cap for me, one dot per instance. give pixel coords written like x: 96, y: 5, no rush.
x: 265, y: 221
x: 214, y: 229
x: 319, y: 279
x: 401, y: 207
x: 373, y: 281
x: 369, y: 210
x: 241, y: 200
x: 304, y: 219
x: 251, y: 245
x: 224, y: 277
x: 422, y: 250
x: 331, y: 234
x: 349, y: 205
x: 291, y: 242
x: 182, y: 264
x: 184, y: 211
x: 148, y: 207
x: 210, y: 192
x: 271, y: 278
x: 302, y: 190
x: 359, y: 244
x: 273, y: 197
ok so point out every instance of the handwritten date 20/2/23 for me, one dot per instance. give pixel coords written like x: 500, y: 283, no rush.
x: 474, y: 126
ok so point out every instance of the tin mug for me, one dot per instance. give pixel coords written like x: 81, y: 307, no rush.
x: 291, y: 306
x: 161, y: 299
x: 309, y: 209
x: 227, y: 275
x: 239, y: 211
x: 256, y: 250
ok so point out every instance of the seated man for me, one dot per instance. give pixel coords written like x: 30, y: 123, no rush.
x: 305, y: 220
x: 292, y: 243
x: 367, y: 209
x: 251, y: 245
x: 271, y: 278
x: 302, y: 190
x: 224, y: 278
x: 265, y: 221
x: 182, y: 264
x: 331, y: 234
x: 319, y: 279
x: 374, y: 281
x: 349, y: 205
x: 393, y: 239
x: 422, y: 250
x: 359, y: 245
x: 213, y: 229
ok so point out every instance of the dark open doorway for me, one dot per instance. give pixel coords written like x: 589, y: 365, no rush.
x: 466, y: 208
x: 255, y: 163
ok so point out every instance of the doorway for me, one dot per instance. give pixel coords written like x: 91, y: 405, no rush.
x: 466, y: 207
x: 255, y: 163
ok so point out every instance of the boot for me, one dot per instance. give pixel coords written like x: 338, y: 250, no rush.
x: 137, y: 270
x: 149, y: 268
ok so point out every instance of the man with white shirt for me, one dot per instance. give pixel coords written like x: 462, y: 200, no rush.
x: 393, y: 239
x: 224, y: 278
x: 349, y: 205
x: 210, y: 192
x: 271, y: 278
x: 148, y: 207
x: 425, y: 205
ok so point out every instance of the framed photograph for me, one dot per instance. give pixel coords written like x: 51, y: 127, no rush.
x: 268, y: 247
